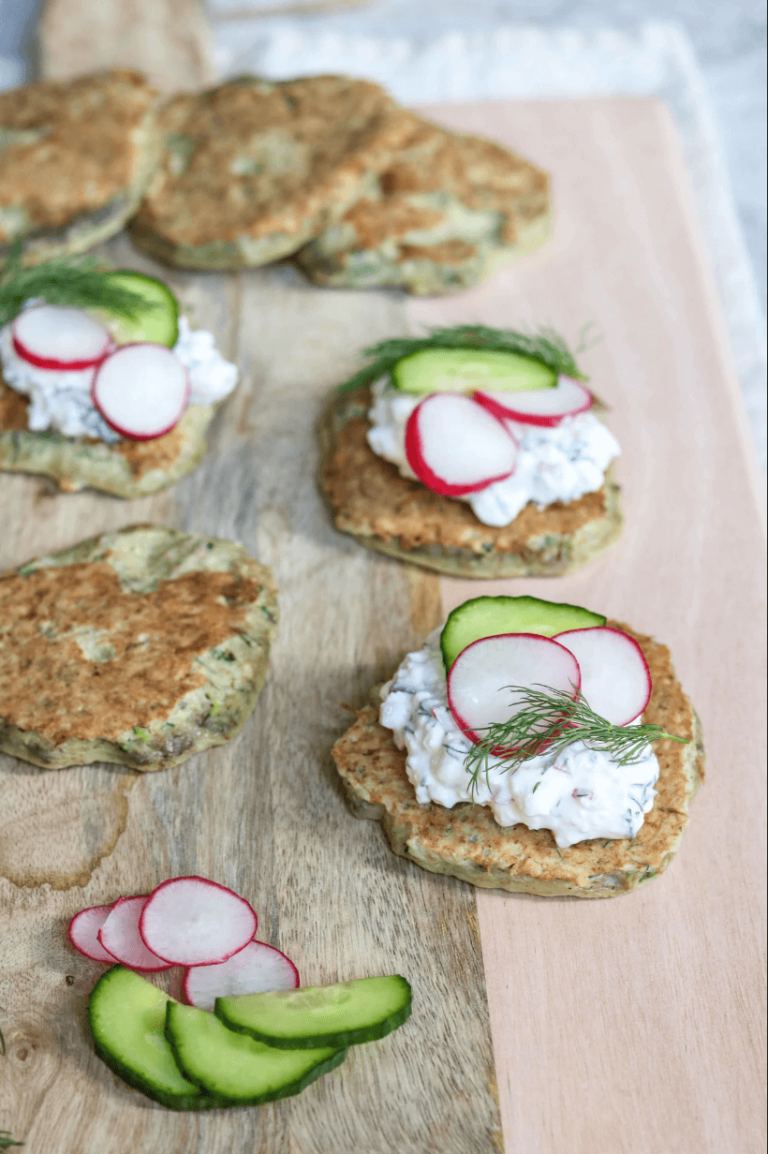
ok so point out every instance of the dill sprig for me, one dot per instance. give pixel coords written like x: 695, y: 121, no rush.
x: 549, y: 720
x: 78, y: 281
x: 544, y: 345
x: 6, y: 1140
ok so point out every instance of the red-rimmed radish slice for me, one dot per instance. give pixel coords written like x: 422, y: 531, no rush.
x: 547, y: 407
x: 615, y: 679
x: 84, y: 930
x: 195, y: 922
x: 455, y: 446
x: 256, y: 969
x: 141, y: 390
x: 478, y: 682
x: 59, y: 337
x: 121, y: 938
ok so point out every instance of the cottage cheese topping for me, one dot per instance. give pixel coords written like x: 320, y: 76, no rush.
x: 59, y: 399
x: 211, y: 377
x: 578, y: 793
x: 62, y: 400
x: 558, y: 464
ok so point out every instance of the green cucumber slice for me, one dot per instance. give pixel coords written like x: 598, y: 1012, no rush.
x: 339, y: 1015
x: 490, y: 616
x: 126, y: 1014
x: 236, y: 1068
x: 465, y: 370
x: 158, y: 323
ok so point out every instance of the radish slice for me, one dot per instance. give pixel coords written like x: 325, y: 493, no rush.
x: 141, y: 390
x: 83, y: 933
x: 547, y: 407
x: 455, y: 446
x: 256, y: 969
x: 615, y: 678
x: 479, y: 680
x: 120, y: 936
x: 195, y: 922
x: 55, y: 337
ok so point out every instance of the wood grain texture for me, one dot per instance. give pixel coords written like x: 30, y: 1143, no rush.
x: 263, y: 814
x: 636, y: 1026
x: 168, y: 40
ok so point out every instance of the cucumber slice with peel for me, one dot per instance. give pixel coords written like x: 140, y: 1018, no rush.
x: 126, y: 1014
x: 492, y: 616
x: 158, y: 322
x: 236, y: 1068
x: 465, y: 370
x: 342, y: 1014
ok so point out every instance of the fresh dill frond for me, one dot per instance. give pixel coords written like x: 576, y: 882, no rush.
x: 549, y: 720
x: 6, y: 1140
x: 544, y: 345
x: 76, y: 281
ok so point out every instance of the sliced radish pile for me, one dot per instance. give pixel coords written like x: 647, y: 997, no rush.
x: 615, y: 679
x: 141, y: 390
x: 256, y: 969
x: 195, y: 922
x: 56, y: 337
x: 120, y: 936
x: 547, y: 407
x: 83, y: 933
x: 455, y: 446
x: 478, y: 682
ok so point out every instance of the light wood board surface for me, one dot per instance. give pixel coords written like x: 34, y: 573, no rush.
x: 168, y: 40
x: 636, y: 1025
x: 619, y: 1026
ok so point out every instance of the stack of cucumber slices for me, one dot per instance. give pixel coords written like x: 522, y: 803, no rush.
x: 266, y: 1038
x: 255, y: 1048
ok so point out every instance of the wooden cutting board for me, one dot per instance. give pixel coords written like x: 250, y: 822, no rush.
x: 619, y: 1026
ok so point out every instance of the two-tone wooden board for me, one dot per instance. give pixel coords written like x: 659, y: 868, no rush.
x: 619, y: 1026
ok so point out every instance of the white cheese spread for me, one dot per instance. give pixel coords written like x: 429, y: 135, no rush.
x: 211, y: 378
x: 553, y: 464
x: 61, y: 400
x: 578, y: 793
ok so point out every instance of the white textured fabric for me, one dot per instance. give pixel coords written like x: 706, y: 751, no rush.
x: 516, y: 63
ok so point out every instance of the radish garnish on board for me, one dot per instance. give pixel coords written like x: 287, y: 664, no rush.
x: 483, y: 678
x: 256, y: 969
x: 141, y: 390
x: 59, y: 338
x: 191, y: 921
x: 120, y: 936
x: 615, y: 679
x: 84, y: 930
x: 455, y: 446
x: 543, y: 407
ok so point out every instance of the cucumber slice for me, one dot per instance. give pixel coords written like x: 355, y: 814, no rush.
x: 338, y: 1015
x: 159, y: 323
x: 238, y: 1069
x: 491, y: 616
x: 126, y: 1014
x: 465, y: 370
